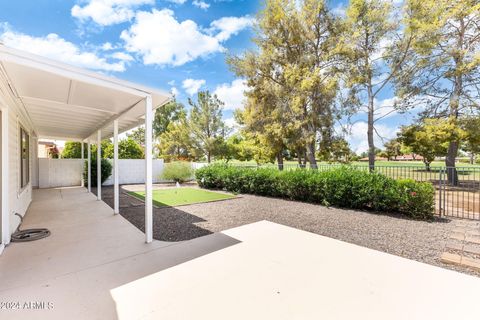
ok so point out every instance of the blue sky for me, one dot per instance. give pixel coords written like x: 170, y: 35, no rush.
x: 175, y: 45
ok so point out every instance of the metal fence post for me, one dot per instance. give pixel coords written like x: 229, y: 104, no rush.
x: 440, y: 191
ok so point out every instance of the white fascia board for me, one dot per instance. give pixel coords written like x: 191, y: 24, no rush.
x: 70, y: 72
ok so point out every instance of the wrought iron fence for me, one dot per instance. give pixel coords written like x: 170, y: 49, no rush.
x: 457, y: 190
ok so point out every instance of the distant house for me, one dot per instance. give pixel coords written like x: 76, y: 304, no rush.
x: 409, y: 157
x: 47, y: 149
x: 376, y: 159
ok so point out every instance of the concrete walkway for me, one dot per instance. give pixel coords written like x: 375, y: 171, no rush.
x: 89, y: 252
x: 96, y: 266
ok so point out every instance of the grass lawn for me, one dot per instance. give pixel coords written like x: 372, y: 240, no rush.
x: 181, y: 196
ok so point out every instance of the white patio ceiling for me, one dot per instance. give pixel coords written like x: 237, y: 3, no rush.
x: 64, y: 102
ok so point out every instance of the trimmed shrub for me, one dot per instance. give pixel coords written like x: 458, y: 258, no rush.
x: 178, y: 171
x: 105, y: 166
x: 417, y: 198
x: 343, y: 187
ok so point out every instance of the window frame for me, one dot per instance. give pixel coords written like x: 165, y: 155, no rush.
x: 24, y: 145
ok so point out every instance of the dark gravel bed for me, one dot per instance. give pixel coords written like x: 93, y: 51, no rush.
x: 417, y: 240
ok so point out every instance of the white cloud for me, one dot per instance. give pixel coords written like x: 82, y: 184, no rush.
x: 358, y: 135
x: 108, y: 12
x: 232, y: 94
x: 122, y: 56
x: 339, y: 10
x: 228, y: 26
x: 54, y: 47
x: 230, y: 122
x: 160, y: 39
x: 192, y: 86
x: 232, y: 125
x: 201, y: 4
x: 107, y: 46
x: 174, y: 91
x: 385, y: 108
x: 177, y: 1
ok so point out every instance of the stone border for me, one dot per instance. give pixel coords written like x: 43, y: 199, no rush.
x: 463, y: 247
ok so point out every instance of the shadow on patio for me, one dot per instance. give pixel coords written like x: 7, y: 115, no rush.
x: 89, y: 252
x: 169, y: 223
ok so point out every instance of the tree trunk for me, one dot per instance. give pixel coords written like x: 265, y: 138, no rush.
x: 452, y: 174
x: 472, y: 158
x: 209, y: 157
x: 299, y: 158
x: 371, y: 144
x: 311, y: 155
x: 280, y: 160
x: 427, y: 165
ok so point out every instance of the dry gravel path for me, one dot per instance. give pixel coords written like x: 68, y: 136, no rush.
x: 417, y: 240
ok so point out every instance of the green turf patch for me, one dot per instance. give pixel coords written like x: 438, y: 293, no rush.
x: 181, y: 196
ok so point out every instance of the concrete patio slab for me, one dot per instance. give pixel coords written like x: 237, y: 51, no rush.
x: 278, y: 272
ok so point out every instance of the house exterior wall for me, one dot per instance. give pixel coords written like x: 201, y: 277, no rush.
x: 18, y: 199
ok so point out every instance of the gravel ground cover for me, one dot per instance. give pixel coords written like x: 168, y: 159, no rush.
x: 416, y: 240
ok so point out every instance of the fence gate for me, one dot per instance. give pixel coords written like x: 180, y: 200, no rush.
x: 458, y: 192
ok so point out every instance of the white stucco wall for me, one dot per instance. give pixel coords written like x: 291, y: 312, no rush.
x: 133, y: 171
x: 60, y: 172
x: 68, y: 172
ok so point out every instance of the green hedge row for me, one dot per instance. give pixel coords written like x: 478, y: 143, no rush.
x: 341, y: 187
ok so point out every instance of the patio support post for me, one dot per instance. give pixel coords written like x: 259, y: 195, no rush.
x: 83, y: 162
x: 99, y: 165
x: 89, y: 170
x: 115, y: 168
x: 148, y: 170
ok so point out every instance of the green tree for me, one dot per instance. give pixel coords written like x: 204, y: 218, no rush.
x: 471, y: 143
x: 442, y: 69
x: 370, y: 61
x: 406, y: 150
x: 127, y: 149
x: 430, y: 138
x: 106, y: 144
x: 164, y: 115
x: 138, y: 135
x: 338, y: 151
x: 176, y: 142
x: 105, y: 169
x: 292, y: 75
x: 206, y: 125
x: 171, y: 112
x: 73, y: 150
x: 393, y: 149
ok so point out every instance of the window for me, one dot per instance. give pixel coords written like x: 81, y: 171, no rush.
x: 24, y: 158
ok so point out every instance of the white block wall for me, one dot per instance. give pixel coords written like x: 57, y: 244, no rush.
x: 59, y: 172
x: 68, y: 172
x: 133, y: 171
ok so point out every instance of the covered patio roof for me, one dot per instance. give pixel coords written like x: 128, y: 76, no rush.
x: 65, y: 102
x: 68, y: 103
